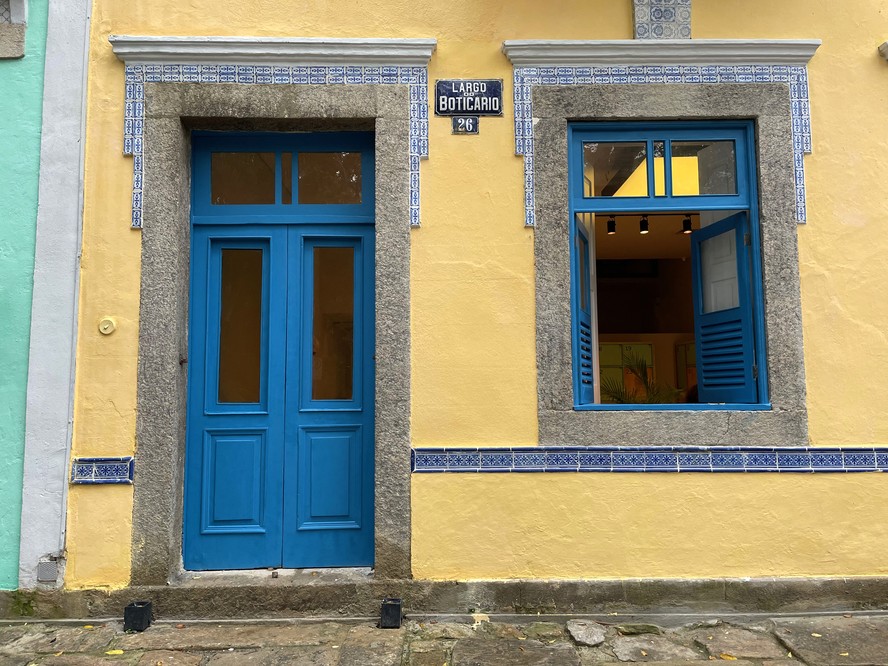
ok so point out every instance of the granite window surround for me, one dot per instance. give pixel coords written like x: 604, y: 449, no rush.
x: 662, y: 19
x: 13, y: 25
x: 657, y: 62
x: 785, y: 423
x: 649, y: 459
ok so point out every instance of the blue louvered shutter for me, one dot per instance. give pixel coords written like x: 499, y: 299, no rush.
x: 723, y: 320
x: 583, y: 360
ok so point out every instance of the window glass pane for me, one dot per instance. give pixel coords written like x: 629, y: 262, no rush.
x: 659, y: 168
x: 329, y: 178
x: 615, y: 169
x: 240, y: 326
x: 583, y: 254
x: 718, y: 264
x: 618, y: 368
x: 585, y: 222
x: 703, y: 167
x: 242, y: 178
x: 333, y: 326
x: 287, y: 178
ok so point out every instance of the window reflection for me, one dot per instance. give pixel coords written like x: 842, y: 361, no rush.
x: 333, y: 323
x: 615, y: 169
x: 242, y: 178
x: 703, y: 167
x: 329, y: 178
x: 240, y: 326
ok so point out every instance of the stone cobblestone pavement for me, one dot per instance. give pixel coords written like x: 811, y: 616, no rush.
x: 816, y: 640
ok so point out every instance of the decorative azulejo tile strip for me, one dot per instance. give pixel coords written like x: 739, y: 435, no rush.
x: 796, y: 76
x: 650, y: 459
x: 662, y: 19
x: 103, y: 470
x: 138, y: 75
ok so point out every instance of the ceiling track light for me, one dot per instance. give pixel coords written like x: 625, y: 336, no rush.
x: 686, y: 226
x: 611, y: 226
x: 643, y: 226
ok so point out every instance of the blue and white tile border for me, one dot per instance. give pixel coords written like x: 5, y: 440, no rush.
x: 558, y: 63
x: 308, y: 61
x: 662, y: 19
x: 649, y: 459
x: 98, y: 471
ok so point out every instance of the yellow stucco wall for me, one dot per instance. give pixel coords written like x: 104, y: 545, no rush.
x: 473, y: 364
x: 648, y: 525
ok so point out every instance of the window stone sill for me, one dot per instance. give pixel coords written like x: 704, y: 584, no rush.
x: 674, y: 428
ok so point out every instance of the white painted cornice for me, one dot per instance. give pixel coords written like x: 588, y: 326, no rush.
x: 272, y: 50
x: 541, y: 52
x: 883, y: 50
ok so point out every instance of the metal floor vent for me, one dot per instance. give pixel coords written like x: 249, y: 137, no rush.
x: 47, y: 571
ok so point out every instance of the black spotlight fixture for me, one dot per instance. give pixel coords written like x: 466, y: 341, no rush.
x: 137, y: 616
x: 391, y: 614
x: 686, y: 224
x: 643, y: 226
x: 612, y: 226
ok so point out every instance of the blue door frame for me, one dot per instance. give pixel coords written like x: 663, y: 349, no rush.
x: 285, y: 480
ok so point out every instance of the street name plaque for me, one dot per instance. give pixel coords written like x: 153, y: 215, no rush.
x: 469, y: 97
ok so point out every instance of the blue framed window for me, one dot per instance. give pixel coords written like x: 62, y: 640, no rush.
x: 325, y: 177
x: 666, y: 287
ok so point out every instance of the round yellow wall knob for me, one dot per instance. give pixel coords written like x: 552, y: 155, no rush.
x: 107, y: 326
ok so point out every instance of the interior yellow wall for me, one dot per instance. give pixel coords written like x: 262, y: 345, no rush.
x: 473, y: 347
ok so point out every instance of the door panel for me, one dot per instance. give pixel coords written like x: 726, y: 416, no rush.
x: 328, y: 478
x: 234, y: 481
x: 234, y: 451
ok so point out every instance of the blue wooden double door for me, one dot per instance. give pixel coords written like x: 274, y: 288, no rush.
x: 279, y: 452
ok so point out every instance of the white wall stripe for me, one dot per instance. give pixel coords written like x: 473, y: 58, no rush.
x: 56, y: 274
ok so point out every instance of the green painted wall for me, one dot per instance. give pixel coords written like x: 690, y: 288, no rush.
x: 21, y: 106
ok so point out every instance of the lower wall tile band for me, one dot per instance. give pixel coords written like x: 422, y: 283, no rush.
x: 649, y: 459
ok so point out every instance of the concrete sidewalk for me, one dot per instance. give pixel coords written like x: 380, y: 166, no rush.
x: 827, y: 640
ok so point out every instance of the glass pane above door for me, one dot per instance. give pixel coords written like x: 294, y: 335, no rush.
x: 329, y: 178
x: 615, y: 169
x: 703, y: 167
x: 242, y: 178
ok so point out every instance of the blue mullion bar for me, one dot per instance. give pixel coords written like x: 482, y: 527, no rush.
x: 649, y: 147
x: 667, y: 169
x: 241, y: 218
x: 278, y: 186
x: 641, y: 205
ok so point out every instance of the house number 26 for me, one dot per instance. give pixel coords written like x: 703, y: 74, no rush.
x: 465, y: 124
